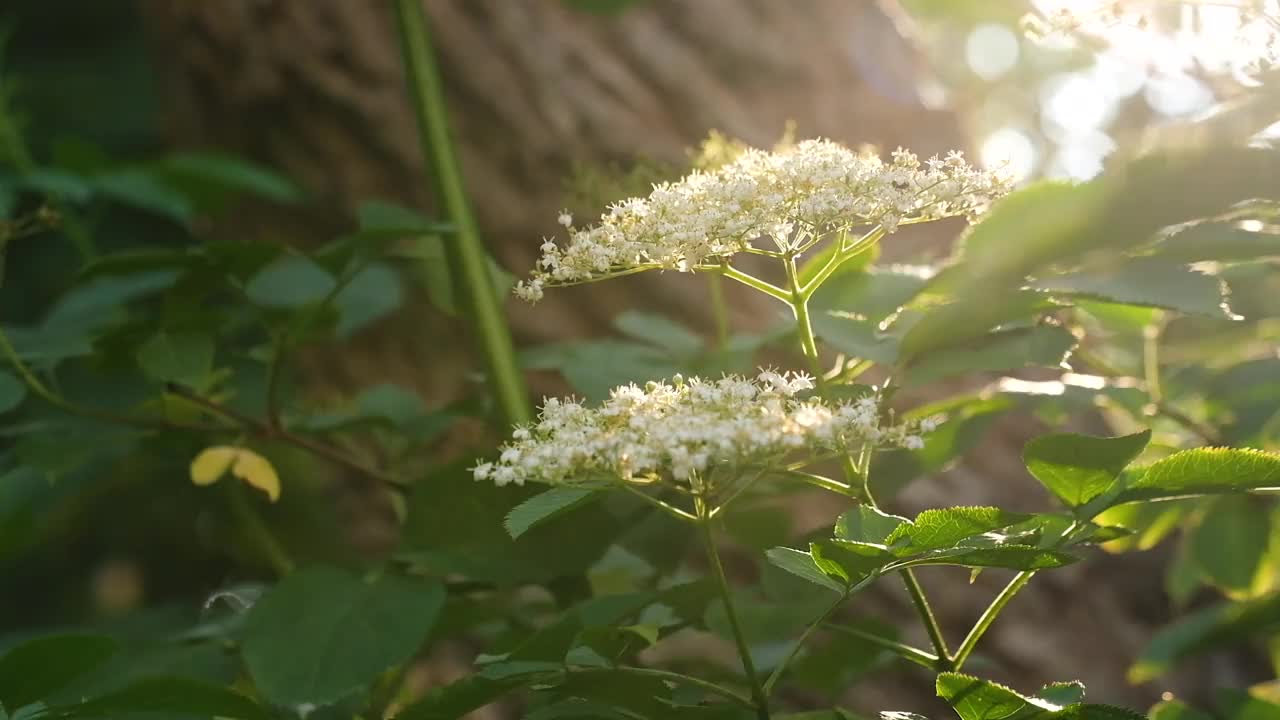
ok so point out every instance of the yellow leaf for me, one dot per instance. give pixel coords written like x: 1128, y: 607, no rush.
x: 257, y: 471
x: 212, y: 463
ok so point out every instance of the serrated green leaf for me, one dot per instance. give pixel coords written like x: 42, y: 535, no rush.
x: 1230, y: 542
x: 291, y: 634
x: 1039, y: 346
x: 867, y: 524
x: 39, y: 668
x: 1078, y: 468
x: 945, y: 527
x: 185, y: 358
x: 1011, y: 557
x: 976, y: 699
x: 1203, y: 471
x: 802, y: 565
x: 966, y: 324
x: 165, y: 697
x: 546, y: 505
x: 849, y: 560
x: 1146, y: 282
x: 1217, y: 241
x: 1062, y: 693
x: 290, y: 282
x: 659, y: 331
x: 12, y: 391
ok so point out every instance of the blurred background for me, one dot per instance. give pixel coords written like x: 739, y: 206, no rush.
x: 561, y: 104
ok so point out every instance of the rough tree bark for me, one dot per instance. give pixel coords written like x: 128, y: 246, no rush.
x: 314, y: 87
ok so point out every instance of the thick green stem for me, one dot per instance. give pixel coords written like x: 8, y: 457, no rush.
x: 467, y: 257
x: 804, y: 327
x: 931, y: 626
x: 758, y: 696
x: 989, y: 616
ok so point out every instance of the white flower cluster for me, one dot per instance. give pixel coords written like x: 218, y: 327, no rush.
x: 679, y: 431
x: 811, y: 189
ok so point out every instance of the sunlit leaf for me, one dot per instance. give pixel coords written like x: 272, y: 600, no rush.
x: 213, y: 462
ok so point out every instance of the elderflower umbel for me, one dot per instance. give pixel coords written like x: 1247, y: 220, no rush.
x: 809, y: 190
x: 678, y: 431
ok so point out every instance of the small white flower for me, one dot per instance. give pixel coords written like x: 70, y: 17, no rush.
x: 913, y: 442
x: 929, y: 424
x: 482, y: 471
x: 679, y: 431
x: 814, y: 188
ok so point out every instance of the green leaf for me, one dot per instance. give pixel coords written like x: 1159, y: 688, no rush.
x: 1009, y: 556
x: 475, y: 691
x: 324, y: 632
x: 1039, y: 346
x: 945, y: 527
x: 1203, y: 471
x: 230, y: 174
x: 1145, y: 282
x: 1217, y: 241
x: 38, y: 668
x: 290, y: 282
x: 964, y: 323
x: 12, y: 391
x: 849, y: 560
x: 1062, y: 693
x: 659, y: 331
x: 166, y: 697
x: 1078, y: 468
x: 185, y: 358
x: 545, y: 506
x: 145, y: 191
x: 375, y: 292
x: 975, y: 699
x: 867, y: 524
x: 1220, y: 626
x: 1230, y: 542
x: 802, y: 565
x: 396, y: 220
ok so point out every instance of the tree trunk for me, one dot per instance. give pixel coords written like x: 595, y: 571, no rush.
x: 314, y: 88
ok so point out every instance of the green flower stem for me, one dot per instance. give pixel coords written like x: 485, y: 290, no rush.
x: 758, y: 696
x: 259, y: 535
x: 669, y: 676
x: 754, y: 282
x: 860, y: 470
x: 838, y: 258
x: 825, y: 483
x: 660, y: 504
x: 795, y: 649
x: 930, y: 621
x: 907, y: 652
x: 466, y: 254
x: 804, y: 328
x: 719, y: 310
x: 989, y: 616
